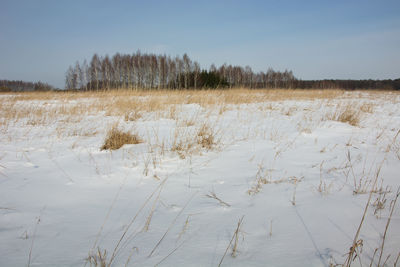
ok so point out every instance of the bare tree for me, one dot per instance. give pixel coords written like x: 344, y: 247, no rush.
x: 187, y: 69
x: 68, y: 78
x: 196, y: 72
x: 84, y: 75
x: 179, y: 69
x: 95, y: 71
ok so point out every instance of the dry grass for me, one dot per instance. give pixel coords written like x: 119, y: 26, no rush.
x: 262, y: 176
x: 33, y: 240
x: 367, y: 108
x: 214, y: 196
x: 182, y: 142
x: 380, y: 202
x: 347, y: 114
x: 189, y: 140
x: 356, y: 247
x: 172, y: 224
x: 355, y: 250
x: 98, y: 259
x: 206, y: 136
x: 132, y: 115
x: 122, y: 101
x: 116, y: 138
x: 394, y: 146
x: 45, y: 108
x: 234, y: 240
x: 323, y: 188
x: 392, y: 207
x: 363, y: 181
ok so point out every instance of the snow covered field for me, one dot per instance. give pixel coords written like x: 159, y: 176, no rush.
x: 293, y: 168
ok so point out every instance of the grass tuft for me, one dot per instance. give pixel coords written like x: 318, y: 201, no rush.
x: 206, y: 137
x: 349, y: 115
x: 116, y: 138
x: 98, y: 259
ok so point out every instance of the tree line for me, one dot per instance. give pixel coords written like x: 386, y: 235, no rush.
x: 348, y: 84
x: 151, y: 71
x: 22, y: 86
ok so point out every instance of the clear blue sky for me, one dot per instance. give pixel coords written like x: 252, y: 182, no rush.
x: 39, y: 39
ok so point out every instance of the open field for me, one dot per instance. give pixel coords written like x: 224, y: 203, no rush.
x: 200, y: 178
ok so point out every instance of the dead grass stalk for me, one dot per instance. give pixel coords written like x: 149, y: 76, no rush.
x: 358, y: 243
x: 236, y: 238
x: 214, y: 196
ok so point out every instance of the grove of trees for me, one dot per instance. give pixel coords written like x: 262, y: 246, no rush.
x: 151, y: 71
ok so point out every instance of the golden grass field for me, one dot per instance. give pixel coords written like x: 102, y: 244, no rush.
x: 127, y: 103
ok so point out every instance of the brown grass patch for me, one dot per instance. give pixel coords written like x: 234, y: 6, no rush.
x: 350, y: 116
x: 187, y: 141
x: 206, y: 137
x: 367, y: 108
x: 116, y: 138
x: 347, y: 114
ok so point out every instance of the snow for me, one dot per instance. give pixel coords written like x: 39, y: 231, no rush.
x: 62, y: 197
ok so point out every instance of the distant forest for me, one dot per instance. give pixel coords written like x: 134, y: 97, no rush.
x: 150, y: 71
x: 21, y: 86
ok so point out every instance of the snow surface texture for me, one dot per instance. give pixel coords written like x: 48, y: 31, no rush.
x: 298, y: 176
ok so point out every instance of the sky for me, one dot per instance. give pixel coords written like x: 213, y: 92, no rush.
x: 324, y: 39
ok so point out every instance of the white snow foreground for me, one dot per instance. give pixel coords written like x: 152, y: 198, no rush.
x: 297, y: 176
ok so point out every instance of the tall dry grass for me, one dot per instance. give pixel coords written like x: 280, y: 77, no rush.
x: 43, y: 108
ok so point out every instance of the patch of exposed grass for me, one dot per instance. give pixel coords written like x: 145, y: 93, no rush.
x: 367, y: 108
x: 347, y: 114
x: 206, y: 137
x: 350, y: 116
x: 188, y: 141
x: 116, y: 138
